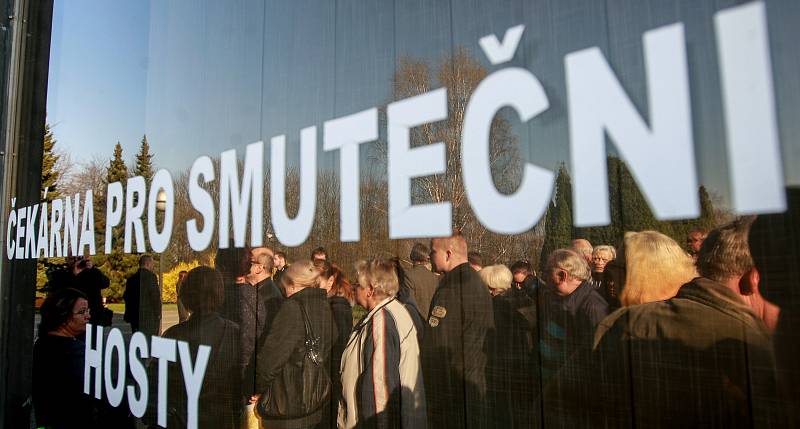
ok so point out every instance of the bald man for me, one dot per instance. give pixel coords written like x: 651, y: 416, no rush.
x: 454, y: 349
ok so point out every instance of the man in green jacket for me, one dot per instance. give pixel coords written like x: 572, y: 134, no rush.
x: 700, y: 359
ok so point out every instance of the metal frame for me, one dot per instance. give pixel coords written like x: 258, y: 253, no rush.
x: 26, y: 27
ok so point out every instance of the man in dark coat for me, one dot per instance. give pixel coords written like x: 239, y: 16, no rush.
x: 143, y: 299
x: 420, y: 281
x: 259, y: 302
x: 454, y: 348
x: 700, y: 359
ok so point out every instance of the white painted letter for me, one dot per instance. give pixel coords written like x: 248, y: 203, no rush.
x: 424, y: 220
x: 93, y: 360
x: 115, y: 345
x: 159, y: 241
x: 193, y: 378
x: 134, y: 209
x: 661, y: 157
x: 113, y: 212
x: 56, y: 216
x: 87, y: 225
x: 293, y: 232
x: 346, y: 133
x: 30, y: 232
x: 202, y: 202
x: 138, y: 350
x: 504, y: 214
x: 71, y: 225
x: 162, y: 349
x: 42, y: 239
x: 252, y: 194
x: 754, y: 153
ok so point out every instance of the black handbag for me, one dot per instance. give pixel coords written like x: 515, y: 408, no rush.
x: 303, y: 387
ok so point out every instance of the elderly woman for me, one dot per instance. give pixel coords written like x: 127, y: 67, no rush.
x: 58, y: 360
x: 219, y: 403
x: 655, y: 268
x: 601, y: 257
x: 513, y: 364
x: 295, y: 394
x: 381, y: 374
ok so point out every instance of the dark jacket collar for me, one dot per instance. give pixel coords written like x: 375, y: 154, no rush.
x: 716, y: 295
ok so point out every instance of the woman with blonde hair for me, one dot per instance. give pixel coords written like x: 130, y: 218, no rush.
x: 296, y: 352
x: 656, y: 268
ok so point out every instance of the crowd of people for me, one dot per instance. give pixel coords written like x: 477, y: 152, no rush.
x: 650, y: 334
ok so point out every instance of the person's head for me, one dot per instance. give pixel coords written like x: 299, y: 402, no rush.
x: 202, y: 291
x: 279, y: 260
x: 774, y: 242
x: 333, y: 280
x: 232, y: 263
x: 420, y: 254
x: 725, y: 256
x: 521, y: 270
x: 565, y: 271
x: 448, y: 252
x: 656, y: 268
x: 319, y: 253
x: 298, y: 276
x: 65, y: 311
x: 377, y: 280
x: 497, y: 278
x: 694, y: 239
x: 146, y: 262
x: 260, y: 264
x: 584, y: 248
x: 182, y: 275
x: 602, y: 255
x: 475, y: 260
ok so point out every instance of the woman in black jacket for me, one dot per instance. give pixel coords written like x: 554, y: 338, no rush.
x: 285, y: 401
x: 340, y: 298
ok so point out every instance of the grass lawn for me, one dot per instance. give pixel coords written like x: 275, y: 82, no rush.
x: 119, y: 307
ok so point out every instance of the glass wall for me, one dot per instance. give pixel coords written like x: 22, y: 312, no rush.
x: 444, y: 214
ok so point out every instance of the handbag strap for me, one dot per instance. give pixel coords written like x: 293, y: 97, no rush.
x: 311, y: 340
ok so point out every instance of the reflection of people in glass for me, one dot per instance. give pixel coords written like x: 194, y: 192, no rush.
x: 80, y: 273
x: 570, y: 310
x: 702, y: 358
x: 58, y: 359
x: 454, y: 348
x: 219, y: 402
x: 656, y: 268
x: 382, y: 382
x: 775, y: 246
x: 143, y: 299
x: 512, y: 352
x: 183, y: 314
x: 419, y: 279
x: 281, y: 359
x: 340, y: 298
x: 694, y: 239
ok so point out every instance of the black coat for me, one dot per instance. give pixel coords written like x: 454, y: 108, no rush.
x: 285, y: 345
x: 219, y: 403
x: 90, y: 281
x: 513, y: 368
x: 258, y: 305
x: 143, y: 302
x: 454, y: 351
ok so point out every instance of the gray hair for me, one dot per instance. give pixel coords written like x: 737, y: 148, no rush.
x: 571, y: 262
x: 605, y: 248
x: 497, y: 277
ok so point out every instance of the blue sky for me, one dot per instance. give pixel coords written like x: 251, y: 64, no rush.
x: 200, y: 77
x: 98, y: 76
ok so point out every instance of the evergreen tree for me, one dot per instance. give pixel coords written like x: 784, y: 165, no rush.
x: 144, y: 162
x: 558, y: 227
x: 50, y: 178
x: 118, y: 266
